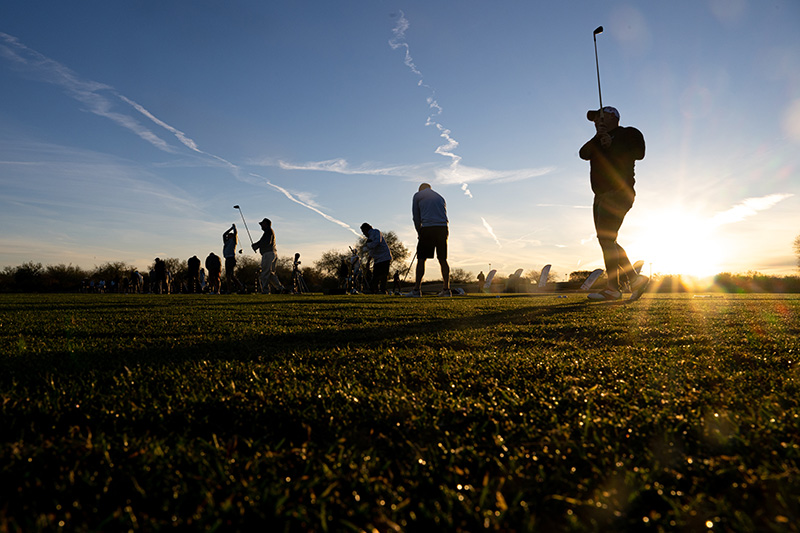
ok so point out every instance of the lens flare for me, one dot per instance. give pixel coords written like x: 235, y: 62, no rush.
x: 677, y: 242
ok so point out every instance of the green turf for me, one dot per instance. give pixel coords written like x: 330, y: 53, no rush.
x: 386, y: 413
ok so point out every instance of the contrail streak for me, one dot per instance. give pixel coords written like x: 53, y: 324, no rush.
x: 289, y: 195
x: 182, y: 137
x: 90, y: 94
x: 87, y: 92
x: 446, y: 149
x: 399, y: 42
x: 491, y: 232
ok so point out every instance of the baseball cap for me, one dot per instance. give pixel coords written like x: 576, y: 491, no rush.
x: 607, y: 109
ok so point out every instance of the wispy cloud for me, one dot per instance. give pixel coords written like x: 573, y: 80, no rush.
x: 63, y: 195
x: 748, y: 208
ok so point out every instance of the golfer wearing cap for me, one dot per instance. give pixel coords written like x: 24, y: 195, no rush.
x: 612, y: 153
x: 269, y: 258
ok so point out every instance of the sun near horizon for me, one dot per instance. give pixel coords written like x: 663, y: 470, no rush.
x: 675, y: 241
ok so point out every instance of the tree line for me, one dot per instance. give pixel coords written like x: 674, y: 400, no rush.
x: 36, y: 277
x: 116, y: 276
x: 324, y: 274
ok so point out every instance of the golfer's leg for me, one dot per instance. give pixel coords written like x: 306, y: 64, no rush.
x: 275, y: 282
x: 420, y: 272
x: 445, y: 274
x: 264, y: 276
x: 379, y: 275
x: 626, y: 272
x: 610, y: 259
x: 622, y: 201
x: 273, y: 265
x: 609, y: 211
x: 607, y: 226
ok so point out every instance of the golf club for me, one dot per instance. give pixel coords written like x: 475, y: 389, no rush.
x: 409, y: 267
x: 245, y: 223
x: 599, y: 29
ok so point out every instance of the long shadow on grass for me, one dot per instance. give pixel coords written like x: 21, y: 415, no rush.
x: 355, y: 333
x: 443, y: 331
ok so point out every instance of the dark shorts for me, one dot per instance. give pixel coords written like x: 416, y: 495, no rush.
x: 609, y: 211
x: 430, y: 239
x: 230, y: 265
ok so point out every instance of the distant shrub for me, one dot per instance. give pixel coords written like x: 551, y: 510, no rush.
x: 755, y: 282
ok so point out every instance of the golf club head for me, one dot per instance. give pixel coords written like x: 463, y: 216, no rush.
x: 236, y: 207
x: 598, y: 30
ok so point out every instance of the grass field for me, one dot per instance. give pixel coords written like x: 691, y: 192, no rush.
x: 383, y: 413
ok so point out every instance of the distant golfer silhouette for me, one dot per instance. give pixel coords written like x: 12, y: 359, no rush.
x: 214, y: 267
x: 269, y: 258
x: 194, y: 274
x: 229, y: 241
x: 160, y: 271
x: 380, y: 254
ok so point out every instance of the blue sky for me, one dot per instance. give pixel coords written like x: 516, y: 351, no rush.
x: 128, y: 130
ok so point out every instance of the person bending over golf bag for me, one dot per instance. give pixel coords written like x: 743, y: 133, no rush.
x: 381, y: 256
x: 269, y: 258
x: 429, y: 211
x: 612, y: 153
